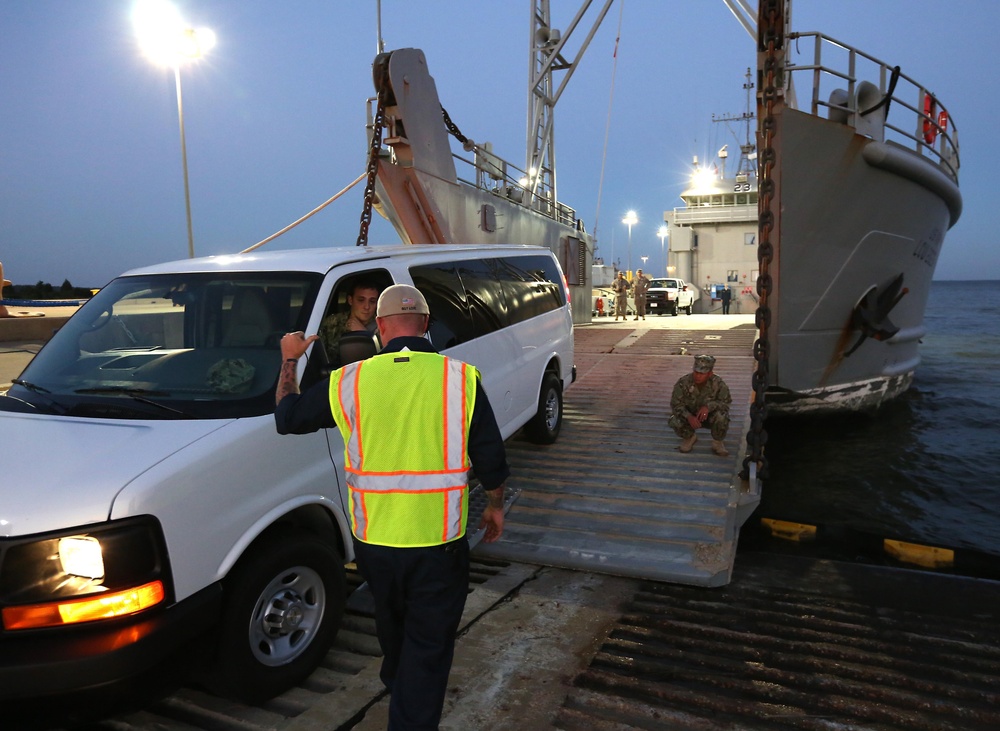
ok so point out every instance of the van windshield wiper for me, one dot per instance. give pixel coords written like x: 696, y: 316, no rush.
x: 35, y: 388
x: 30, y: 386
x: 138, y: 394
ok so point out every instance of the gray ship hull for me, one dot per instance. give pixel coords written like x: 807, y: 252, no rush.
x: 850, y: 232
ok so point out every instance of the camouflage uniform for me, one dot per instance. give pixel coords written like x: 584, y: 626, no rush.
x: 687, y: 398
x: 332, y: 327
x: 621, y: 287
x: 639, y: 288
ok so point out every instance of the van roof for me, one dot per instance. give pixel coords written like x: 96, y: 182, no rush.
x: 321, y: 259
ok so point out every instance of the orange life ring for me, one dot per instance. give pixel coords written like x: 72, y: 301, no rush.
x: 943, y: 121
x: 930, y: 128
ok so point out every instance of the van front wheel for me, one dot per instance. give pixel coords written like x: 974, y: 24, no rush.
x: 545, y: 424
x: 283, y: 604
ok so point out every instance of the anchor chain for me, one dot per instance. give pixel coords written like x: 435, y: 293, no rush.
x: 770, y: 40
x: 378, y: 123
x: 467, y: 144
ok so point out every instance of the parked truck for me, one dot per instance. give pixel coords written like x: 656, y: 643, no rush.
x: 670, y: 295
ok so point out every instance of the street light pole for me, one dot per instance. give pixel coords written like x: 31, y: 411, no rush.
x: 662, y: 233
x: 169, y: 41
x: 184, y: 160
x: 630, y: 220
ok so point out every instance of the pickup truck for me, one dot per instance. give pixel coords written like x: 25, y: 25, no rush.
x: 669, y: 295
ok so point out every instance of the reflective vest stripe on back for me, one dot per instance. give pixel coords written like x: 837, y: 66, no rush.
x: 406, y: 455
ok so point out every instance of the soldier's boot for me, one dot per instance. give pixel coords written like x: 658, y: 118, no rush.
x: 688, y: 444
x: 719, y: 448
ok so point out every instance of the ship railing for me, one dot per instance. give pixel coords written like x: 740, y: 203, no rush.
x: 715, y: 214
x: 490, y: 172
x: 916, y: 118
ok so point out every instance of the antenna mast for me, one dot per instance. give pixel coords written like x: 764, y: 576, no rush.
x: 547, y: 45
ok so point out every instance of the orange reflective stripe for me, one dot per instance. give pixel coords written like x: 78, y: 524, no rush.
x: 406, y: 482
x: 452, y: 527
x: 445, y: 415
x: 456, y: 415
x: 347, y: 383
x: 360, y: 515
x: 356, y: 431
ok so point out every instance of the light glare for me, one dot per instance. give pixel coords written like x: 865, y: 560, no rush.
x: 164, y: 37
x: 81, y: 556
x: 702, y: 178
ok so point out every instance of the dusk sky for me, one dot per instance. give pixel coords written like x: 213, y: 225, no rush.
x: 90, y: 167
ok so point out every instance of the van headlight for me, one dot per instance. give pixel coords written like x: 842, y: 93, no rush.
x: 82, y: 575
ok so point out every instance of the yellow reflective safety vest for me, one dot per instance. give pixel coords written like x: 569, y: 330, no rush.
x: 405, y: 421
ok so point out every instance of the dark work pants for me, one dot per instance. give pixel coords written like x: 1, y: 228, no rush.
x: 419, y: 598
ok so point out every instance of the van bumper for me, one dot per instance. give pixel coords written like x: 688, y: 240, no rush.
x: 37, y: 663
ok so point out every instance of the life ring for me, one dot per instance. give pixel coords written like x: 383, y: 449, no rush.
x: 942, y: 121
x: 930, y: 128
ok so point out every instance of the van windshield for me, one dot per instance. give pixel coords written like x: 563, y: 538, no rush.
x: 171, y: 346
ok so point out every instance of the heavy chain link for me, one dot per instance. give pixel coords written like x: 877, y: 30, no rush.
x: 373, y: 152
x: 467, y: 144
x: 770, y: 40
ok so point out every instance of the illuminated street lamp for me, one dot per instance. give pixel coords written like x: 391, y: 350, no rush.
x: 169, y: 41
x: 630, y: 220
x: 644, y: 260
x: 662, y: 233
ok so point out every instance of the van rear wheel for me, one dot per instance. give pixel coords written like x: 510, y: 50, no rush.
x: 283, y: 606
x: 545, y: 424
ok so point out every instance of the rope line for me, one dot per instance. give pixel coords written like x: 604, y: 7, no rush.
x: 607, y: 126
x: 311, y: 213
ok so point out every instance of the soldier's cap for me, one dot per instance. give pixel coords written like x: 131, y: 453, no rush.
x: 704, y: 363
x: 401, y: 299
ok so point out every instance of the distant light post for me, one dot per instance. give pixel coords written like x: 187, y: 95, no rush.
x: 169, y: 41
x: 644, y: 260
x: 662, y: 233
x: 630, y: 220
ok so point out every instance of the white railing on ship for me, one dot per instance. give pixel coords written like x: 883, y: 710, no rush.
x: 921, y: 132
x: 492, y: 174
x: 715, y: 214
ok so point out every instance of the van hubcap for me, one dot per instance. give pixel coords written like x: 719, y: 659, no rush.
x: 288, y: 615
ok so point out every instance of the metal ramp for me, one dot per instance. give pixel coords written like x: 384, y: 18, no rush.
x: 614, y: 495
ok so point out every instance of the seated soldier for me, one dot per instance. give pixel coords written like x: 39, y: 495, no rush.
x: 701, y: 399
x: 362, y: 299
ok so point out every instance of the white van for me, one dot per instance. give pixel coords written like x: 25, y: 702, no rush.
x: 147, y: 500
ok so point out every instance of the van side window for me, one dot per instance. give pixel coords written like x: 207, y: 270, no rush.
x: 451, y: 322
x: 341, y: 344
x: 485, y: 299
x: 531, y: 284
x: 469, y: 298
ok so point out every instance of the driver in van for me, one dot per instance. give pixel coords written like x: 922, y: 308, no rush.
x: 362, y: 300
x: 414, y: 422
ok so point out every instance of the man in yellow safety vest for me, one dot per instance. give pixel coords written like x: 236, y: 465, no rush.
x: 414, y: 422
